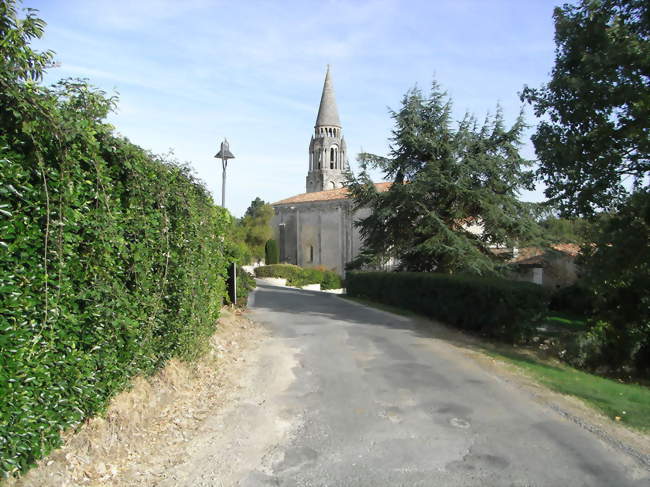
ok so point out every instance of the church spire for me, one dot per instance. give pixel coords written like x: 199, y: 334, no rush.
x: 327, y: 150
x: 328, y: 113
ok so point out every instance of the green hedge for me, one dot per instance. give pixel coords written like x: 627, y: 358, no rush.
x: 490, y: 306
x: 301, y: 276
x: 111, y: 262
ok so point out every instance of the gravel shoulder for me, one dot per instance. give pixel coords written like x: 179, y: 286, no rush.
x: 164, y: 429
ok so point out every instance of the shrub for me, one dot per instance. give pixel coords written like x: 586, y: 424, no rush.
x: 283, y: 271
x: 245, y: 284
x: 617, y: 272
x: 575, y: 299
x: 300, y: 276
x: 271, y: 252
x: 331, y: 280
x: 490, y: 306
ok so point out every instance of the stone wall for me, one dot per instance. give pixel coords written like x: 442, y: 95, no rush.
x: 317, y: 233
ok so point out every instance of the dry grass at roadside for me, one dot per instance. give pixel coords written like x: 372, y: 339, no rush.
x: 157, y: 414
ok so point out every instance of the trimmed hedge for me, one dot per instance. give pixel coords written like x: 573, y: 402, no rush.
x: 301, y: 276
x: 491, y: 306
x: 111, y: 262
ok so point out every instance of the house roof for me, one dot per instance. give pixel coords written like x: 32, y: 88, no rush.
x: 537, y: 255
x: 328, y: 195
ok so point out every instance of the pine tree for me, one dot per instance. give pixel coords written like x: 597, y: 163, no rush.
x: 447, y: 178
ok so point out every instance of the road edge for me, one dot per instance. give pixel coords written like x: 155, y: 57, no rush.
x: 526, y: 386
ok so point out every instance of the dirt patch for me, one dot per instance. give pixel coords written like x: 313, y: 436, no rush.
x: 145, y: 430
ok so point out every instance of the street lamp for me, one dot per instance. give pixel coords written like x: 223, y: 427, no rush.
x: 224, y: 154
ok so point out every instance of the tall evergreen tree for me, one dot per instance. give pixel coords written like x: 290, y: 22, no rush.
x: 447, y: 178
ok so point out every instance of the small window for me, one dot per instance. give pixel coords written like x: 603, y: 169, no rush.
x: 311, y: 253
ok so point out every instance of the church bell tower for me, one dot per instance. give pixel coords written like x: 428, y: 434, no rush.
x: 327, y: 149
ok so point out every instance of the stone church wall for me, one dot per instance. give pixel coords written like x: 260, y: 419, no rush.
x: 317, y: 234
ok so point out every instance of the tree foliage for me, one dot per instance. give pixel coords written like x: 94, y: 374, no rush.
x: 567, y: 230
x: 256, y: 227
x: 593, y: 146
x: 251, y: 232
x: 19, y: 62
x: 593, y: 142
x: 446, y: 178
x: 257, y: 207
x: 617, y: 268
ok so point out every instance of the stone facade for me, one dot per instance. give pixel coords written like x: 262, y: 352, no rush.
x: 317, y: 233
x: 316, y: 228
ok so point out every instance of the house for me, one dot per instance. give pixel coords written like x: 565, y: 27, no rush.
x: 552, y: 267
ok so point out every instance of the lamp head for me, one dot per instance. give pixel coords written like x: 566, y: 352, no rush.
x: 224, y: 152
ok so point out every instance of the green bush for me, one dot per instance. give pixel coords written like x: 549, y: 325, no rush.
x: 617, y: 273
x: 111, y: 259
x: 245, y: 284
x: 283, y: 271
x: 576, y: 299
x: 495, y: 307
x: 331, y: 280
x: 300, y: 276
x: 271, y: 252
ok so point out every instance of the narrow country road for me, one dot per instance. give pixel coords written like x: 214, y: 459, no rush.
x: 373, y: 402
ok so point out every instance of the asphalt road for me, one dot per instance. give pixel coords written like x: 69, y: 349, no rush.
x: 375, y: 402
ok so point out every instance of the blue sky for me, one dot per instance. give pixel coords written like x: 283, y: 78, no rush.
x: 190, y: 72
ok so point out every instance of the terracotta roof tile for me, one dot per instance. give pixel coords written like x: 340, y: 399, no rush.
x: 534, y: 255
x: 328, y: 195
x: 567, y: 248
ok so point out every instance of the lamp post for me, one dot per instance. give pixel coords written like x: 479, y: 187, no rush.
x: 224, y: 154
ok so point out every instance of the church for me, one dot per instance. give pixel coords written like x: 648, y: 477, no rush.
x: 316, y: 228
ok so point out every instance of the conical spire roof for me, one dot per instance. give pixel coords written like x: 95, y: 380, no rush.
x: 328, y: 113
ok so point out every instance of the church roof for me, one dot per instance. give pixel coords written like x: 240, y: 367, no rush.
x: 328, y: 195
x: 328, y: 113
